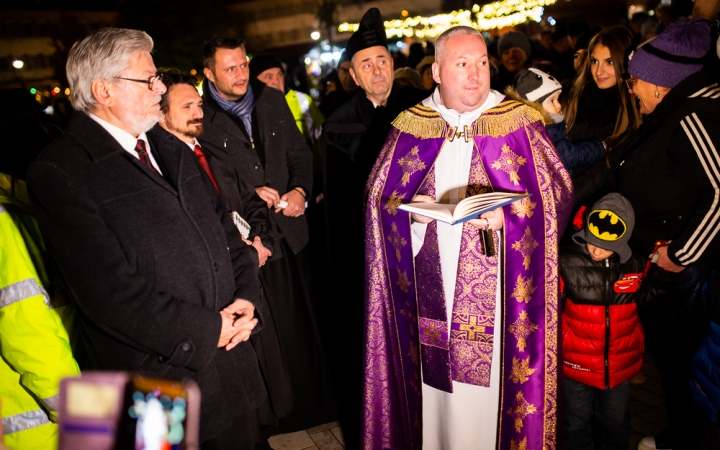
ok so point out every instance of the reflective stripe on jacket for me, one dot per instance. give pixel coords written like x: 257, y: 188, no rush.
x: 34, y: 343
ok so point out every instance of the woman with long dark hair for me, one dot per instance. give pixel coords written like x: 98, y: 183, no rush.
x: 599, y: 107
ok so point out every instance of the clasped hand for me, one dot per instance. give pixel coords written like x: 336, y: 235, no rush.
x: 263, y: 253
x: 490, y: 220
x: 238, y: 322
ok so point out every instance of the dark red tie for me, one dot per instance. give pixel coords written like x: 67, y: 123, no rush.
x: 203, y: 162
x: 143, y: 154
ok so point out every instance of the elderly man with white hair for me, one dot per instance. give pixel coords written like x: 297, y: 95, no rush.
x: 462, y: 340
x: 164, y: 285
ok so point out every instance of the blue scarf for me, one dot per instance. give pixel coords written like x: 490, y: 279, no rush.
x: 242, y: 108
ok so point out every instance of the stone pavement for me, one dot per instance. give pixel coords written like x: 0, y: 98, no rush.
x: 647, y: 409
x: 647, y: 418
x: 323, y: 437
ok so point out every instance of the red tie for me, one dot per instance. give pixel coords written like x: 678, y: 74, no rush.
x: 143, y: 154
x: 203, y: 162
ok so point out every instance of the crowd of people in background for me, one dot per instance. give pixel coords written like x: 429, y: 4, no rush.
x: 248, y: 237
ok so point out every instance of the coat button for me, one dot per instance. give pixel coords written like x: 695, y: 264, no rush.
x: 161, y: 359
x: 247, y: 145
x: 186, y: 347
x: 257, y: 166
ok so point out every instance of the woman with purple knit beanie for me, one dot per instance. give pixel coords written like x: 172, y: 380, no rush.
x: 669, y: 170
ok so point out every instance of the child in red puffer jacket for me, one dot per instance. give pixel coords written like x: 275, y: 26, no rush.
x: 602, y: 335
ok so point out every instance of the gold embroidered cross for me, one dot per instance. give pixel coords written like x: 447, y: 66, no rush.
x: 509, y: 162
x: 432, y: 332
x: 521, y: 329
x: 472, y: 328
x: 410, y: 164
x: 525, y: 246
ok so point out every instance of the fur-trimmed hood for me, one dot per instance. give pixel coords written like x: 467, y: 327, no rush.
x: 513, y: 94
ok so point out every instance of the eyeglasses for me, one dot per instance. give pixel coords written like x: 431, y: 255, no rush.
x: 152, y: 82
x: 629, y: 80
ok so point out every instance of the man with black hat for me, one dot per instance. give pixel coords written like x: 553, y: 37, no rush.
x: 352, y: 138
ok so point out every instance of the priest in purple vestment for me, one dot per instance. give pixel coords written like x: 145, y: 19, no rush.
x: 461, y: 344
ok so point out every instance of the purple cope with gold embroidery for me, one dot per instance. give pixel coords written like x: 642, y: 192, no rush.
x: 407, y: 327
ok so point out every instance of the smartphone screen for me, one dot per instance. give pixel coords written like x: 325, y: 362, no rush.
x: 155, y: 415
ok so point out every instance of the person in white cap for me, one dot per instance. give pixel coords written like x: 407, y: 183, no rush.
x: 541, y: 91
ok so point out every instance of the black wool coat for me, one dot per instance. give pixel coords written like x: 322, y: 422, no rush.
x: 280, y: 159
x: 151, y: 261
x: 235, y: 191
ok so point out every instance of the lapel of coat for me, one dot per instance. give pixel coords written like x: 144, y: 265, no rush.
x: 100, y: 145
x: 172, y: 152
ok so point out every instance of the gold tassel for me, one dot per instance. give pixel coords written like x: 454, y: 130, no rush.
x: 508, y: 116
x: 505, y: 118
x: 421, y: 122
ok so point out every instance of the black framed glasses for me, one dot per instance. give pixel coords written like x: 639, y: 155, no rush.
x: 152, y: 82
x: 630, y: 80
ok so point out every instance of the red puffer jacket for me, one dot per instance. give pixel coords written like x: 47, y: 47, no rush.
x: 603, y: 340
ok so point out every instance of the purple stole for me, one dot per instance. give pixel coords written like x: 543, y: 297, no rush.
x: 406, y: 320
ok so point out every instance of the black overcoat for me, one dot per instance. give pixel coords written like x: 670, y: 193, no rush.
x: 151, y: 261
x: 280, y: 160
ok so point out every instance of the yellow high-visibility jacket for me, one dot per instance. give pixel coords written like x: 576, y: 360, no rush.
x: 34, y: 343
x: 309, y: 120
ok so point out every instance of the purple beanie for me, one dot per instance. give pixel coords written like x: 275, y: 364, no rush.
x: 673, y: 55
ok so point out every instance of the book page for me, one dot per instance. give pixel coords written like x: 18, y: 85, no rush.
x: 438, y: 211
x: 477, y: 204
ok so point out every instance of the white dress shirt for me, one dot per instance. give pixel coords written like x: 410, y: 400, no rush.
x: 126, y: 140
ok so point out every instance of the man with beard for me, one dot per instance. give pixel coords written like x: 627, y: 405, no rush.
x: 252, y: 126
x: 164, y: 285
x: 352, y: 138
x: 182, y: 117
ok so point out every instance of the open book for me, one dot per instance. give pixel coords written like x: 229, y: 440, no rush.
x: 468, y: 208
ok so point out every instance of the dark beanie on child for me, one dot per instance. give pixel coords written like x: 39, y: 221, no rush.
x: 609, y: 225
x: 514, y: 39
x: 370, y: 33
x: 673, y: 55
x: 261, y: 63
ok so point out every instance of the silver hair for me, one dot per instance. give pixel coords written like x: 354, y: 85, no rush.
x: 103, y: 55
x: 459, y: 30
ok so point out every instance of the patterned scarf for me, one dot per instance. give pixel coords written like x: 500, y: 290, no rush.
x: 242, y: 108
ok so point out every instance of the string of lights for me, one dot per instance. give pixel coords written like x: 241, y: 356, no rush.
x: 500, y: 14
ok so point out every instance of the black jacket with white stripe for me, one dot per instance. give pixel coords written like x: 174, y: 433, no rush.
x: 669, y: 170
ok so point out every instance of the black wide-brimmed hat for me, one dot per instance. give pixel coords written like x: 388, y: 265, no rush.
x: 370, y: 33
